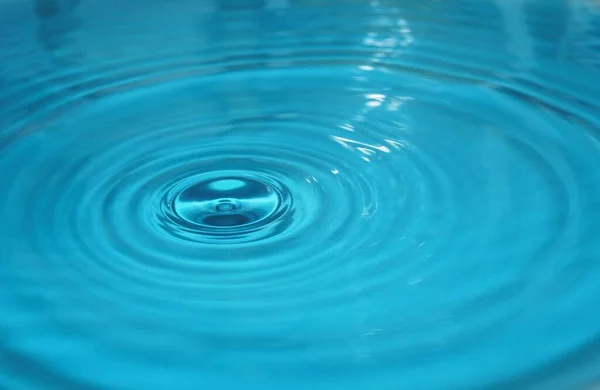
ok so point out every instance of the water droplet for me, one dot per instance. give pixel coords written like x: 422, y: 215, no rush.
x: 226, y: 202
x: 225, y: 207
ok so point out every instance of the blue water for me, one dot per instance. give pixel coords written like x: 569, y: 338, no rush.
x: 299, y: 194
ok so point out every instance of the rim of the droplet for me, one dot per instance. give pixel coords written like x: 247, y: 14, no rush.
x: 168, y: 209
x: 236, y: 206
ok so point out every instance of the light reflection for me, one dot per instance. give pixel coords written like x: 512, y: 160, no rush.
x: 403, y: 36
x: 394, y: 105
x: 369, y: 210
x: 352, y: 144
x: 375, y: 99
x: 372, y: 332
x: 520, y: 41
x: 400, y: 36
x: 376, y: 96
x: 372, y: 40
x: 366, y: 151
x: 398, y: 101
x: 395, y: 144
x: 406, y: 33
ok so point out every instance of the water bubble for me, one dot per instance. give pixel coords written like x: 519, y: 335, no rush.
x: 226, y: 206
x: 226, y: 202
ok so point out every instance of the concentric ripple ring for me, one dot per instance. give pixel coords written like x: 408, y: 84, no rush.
x: 299, y: 194
x: 225, y: 205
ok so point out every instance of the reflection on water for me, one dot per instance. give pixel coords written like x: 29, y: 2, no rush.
x: 58, y: 26
x: 574, y: 26
x: 580, y: 41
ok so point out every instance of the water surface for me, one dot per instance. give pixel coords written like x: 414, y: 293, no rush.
x: 289, y: 194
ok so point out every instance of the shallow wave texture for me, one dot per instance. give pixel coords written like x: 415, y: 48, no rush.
x: 299, y: 194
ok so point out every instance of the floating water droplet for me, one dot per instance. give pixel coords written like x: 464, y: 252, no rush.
x: 226, y: 202
x: 225, y: 206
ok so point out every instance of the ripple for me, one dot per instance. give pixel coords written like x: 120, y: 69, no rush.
x: 226, y: 205
x: 245, y: 195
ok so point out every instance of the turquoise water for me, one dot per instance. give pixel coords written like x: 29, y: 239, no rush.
x: 299, y: 194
